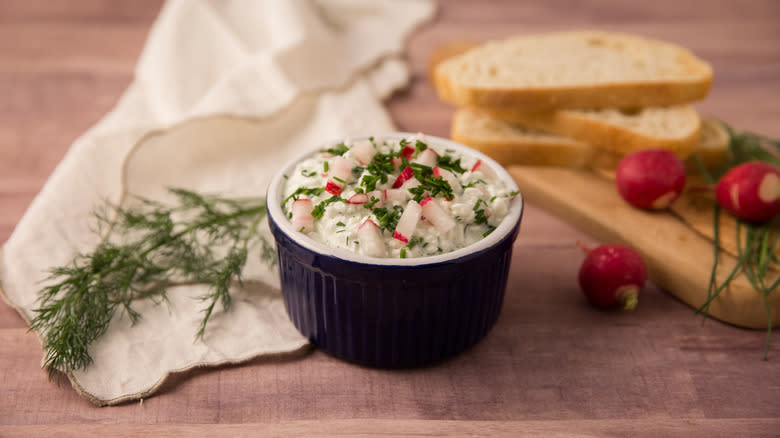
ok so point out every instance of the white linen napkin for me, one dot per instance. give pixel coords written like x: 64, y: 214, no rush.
x: 224, y: 93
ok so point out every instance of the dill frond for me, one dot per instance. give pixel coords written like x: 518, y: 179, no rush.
x: 199, y: 239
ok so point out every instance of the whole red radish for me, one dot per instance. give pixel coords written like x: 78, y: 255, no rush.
x: 651, y: 178
x: 750, y: 191
x: 612, y: 275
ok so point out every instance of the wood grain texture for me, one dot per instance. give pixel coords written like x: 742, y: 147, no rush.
x: 552, y: 366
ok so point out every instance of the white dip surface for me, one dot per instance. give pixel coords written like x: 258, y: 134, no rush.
x: 476, y: 204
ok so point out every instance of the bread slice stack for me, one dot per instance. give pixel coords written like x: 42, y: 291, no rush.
x: 577, y: 99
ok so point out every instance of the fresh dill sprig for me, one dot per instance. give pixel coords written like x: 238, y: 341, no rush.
x: 151, y: 246
x: 757, y: 253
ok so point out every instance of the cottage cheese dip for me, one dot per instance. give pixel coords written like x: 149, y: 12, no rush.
x: 395, y: 197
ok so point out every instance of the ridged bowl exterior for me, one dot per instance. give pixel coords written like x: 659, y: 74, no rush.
x: 393, y: 316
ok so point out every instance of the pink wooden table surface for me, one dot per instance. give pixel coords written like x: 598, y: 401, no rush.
x: 552, y: 366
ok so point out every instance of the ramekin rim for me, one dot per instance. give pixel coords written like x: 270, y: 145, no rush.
x: 507, y: 225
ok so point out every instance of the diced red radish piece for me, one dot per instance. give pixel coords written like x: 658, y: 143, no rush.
x: 359, y: 199
x: 750, y: 191
x: 480, y: 166
x: 396, y: 195
x: 436, y: 215
x: 379, y: 195
x: 410, y: 183
x: 341, y: 169
x: 407, y: 152
x: 405, y: 174
x: 371, y: 242
x: 364, y: 152
x: 397, y: 162
x: 333, y: 187
x: 301, y: 214
x: 408, y: 221
x: 448, y: 176
x: 427, y: 157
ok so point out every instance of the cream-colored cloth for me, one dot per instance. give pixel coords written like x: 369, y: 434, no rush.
x: 224, y: 93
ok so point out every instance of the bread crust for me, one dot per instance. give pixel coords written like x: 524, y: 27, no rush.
x: 694, y: 85
x: 551, y: 150
x: 603, y: 134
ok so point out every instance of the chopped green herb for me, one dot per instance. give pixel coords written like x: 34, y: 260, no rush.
x: 339, y: 180
x: 388, y: 219
x: 480, y: 217
x: 403, y: 253
x: 341, y: 224
x: 429, y: 184
x: 339, y: 149
x: 371, y: 204
x: 446, y: 162
x: 319, y: 209
x: 490, y: 229
x: 308, y: 173
x: 325, y: 166
x: 474, y: 183
x: 308, y: 191
x: 379, y: 169
x: 416, y: 240
x: 420, y: 146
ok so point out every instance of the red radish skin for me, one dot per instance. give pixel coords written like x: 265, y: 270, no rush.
x: 750, y: 191
x: 650, y: 179
x: 407, y: 152
x: 612, y: 276
x: 358, y: 199
x: 333, y: 187
x: 405, y: 174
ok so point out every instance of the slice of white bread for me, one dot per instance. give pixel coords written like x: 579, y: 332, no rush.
x: 511, y: 143
x: 675, y: 128
x: 580, y: 70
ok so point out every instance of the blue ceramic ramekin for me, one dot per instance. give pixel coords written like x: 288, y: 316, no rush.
x: 387, y: 312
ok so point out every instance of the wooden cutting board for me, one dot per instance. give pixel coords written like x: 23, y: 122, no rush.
x: 679, y: 258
